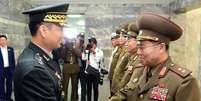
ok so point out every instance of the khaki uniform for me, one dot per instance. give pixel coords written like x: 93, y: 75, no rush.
x: 120, y: 69
x: 114, y: 62
x: 70, y: 71
x: 133, y: 64
x: 166, y: 82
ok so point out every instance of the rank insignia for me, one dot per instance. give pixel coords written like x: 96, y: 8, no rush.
x: 159, y: 93
x: 39, y: 59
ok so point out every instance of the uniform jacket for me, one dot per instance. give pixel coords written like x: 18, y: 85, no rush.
x: 120, y: 70
x: 114, y: 62
x: 37, y: 76
x: 134, y: 67
x: 168, y: 82
x: 11, y: 59
x: 70, y: 57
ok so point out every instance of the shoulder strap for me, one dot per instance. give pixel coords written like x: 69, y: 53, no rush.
x: 183, y: 72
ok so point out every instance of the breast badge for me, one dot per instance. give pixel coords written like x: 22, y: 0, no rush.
x: 159, y: 92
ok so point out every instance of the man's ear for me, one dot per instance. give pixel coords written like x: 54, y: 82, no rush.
x: 42, y: 30
x: 162, y: 46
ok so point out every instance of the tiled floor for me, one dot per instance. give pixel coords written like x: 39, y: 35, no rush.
x: 104, y: 91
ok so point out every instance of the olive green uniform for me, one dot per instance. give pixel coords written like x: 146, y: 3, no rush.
x: 114, y: 62
x: 165, y: 82
x: 70, y: 71
x: 133, y: 64
x: 120, y: 69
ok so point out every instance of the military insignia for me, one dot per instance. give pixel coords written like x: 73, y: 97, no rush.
x: 130, y: 68
x: 159, y: 92
x: 57, y: 75
x: 163, y: 71
x: 39, y: 59
x: 46, y: 58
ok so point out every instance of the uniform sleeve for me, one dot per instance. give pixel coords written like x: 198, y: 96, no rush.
x: 188, y: 90
x: 38, y: 86
x: 119, y: 96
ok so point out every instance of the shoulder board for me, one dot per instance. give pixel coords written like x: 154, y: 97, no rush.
x: 183, y: 72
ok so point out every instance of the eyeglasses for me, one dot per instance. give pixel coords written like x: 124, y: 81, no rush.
x: 142, y: 48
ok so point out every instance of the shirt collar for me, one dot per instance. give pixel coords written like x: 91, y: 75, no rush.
x: 45, y: 50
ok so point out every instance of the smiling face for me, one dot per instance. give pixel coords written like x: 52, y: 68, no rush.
x: 52, y: 34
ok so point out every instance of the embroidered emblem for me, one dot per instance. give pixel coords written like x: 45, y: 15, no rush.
x: 39, y: 59
x: 159, y: 92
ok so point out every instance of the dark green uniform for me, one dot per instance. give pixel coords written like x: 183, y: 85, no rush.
x: 37, y: 76
x: 167, y: 82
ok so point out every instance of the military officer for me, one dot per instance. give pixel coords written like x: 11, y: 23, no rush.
x: 115, y: 56
x: 71, y: 69
x: 128, y: 58
x: 162, y: 79
x: 134, y: 62
x: 37, y: 77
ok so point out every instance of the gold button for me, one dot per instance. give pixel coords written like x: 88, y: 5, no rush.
x: 135, y: 80
x: 179, y: 69
x: 141, y: 96
x: 156, y: 39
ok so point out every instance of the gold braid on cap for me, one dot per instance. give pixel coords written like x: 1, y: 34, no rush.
x: 147, y: 38
x: 143, y: 37
x: 55, y: 17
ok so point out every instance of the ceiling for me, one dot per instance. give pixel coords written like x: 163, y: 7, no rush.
x: 81, y: 6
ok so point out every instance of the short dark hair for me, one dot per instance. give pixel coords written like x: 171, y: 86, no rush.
x: 33, y: 27
x: 1, y: 36
x: 93, y: 40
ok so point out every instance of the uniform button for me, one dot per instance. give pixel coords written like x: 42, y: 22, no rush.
x: 141, y: 96
x: 172, y: 64
x: 179, y: 69
x: 183, y: 71
x: 135, y: 80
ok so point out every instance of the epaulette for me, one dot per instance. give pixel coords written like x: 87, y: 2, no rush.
x: 183, y: 72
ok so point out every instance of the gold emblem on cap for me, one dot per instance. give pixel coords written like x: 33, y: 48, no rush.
x: 55, y: 17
